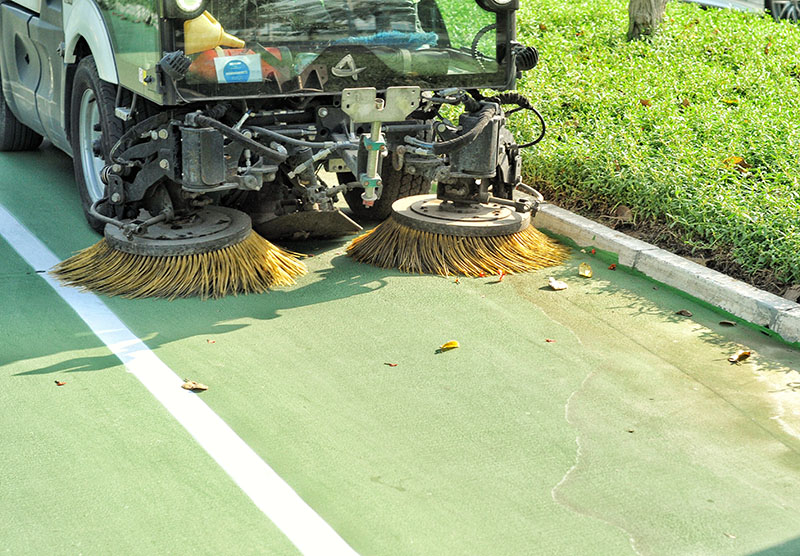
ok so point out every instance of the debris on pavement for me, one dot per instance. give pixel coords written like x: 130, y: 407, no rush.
x: 391, y: 364
x: 739, y: 356
x: 727, y: 323
x: 614, y: 267
x: 684, y: 313
x: 549, y: 340
x: 59, y: 383
x: 585, y: 270
x: 447, y: 346
x: 557, y: 285
x: 193, y: 386
x: 211, y: 341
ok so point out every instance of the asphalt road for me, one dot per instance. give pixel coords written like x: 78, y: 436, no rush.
x: 629, y: 433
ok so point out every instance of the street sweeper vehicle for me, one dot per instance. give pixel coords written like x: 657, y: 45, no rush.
x: 198, y: 128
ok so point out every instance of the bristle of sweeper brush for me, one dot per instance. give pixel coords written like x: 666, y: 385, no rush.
x: 395, y: 245
x: 253, y: 265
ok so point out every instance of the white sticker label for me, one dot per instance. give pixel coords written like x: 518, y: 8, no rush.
x: 239, y: 69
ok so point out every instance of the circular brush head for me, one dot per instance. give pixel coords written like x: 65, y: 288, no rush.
x: 424, y: 236
x: 212, y: 254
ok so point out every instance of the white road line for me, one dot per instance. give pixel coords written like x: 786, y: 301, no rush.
x: 298, y: 521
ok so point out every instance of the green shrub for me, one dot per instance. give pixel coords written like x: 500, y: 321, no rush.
x: 658, y: 125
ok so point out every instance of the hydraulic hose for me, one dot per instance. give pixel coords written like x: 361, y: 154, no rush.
x: 300, y: 142
x: 136, y: 131
x: 485, y: 114
x: 230, y: 133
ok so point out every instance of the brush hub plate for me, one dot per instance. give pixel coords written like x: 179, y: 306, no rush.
x: 428, y: 214
x: 209, y: 229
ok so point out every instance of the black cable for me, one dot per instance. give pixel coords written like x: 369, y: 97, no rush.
x: 485, y: 115
x: 541, y: 135
x: 524, y: 104
x: 478, y: 36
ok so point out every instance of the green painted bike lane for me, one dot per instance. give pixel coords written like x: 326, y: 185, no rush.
x: 630, y: 433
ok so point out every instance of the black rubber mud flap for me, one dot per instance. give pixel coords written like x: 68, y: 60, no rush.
x: 306, y: 224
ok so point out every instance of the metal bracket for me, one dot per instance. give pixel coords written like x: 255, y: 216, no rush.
x: 364, y: 106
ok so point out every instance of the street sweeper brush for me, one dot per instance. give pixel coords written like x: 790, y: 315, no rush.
x: 426, y: 235
x: 212, y: 253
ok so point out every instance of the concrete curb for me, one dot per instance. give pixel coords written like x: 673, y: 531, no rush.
x: 742, y: 300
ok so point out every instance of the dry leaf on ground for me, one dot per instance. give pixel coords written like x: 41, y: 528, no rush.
x: 585, y: 270
x: 739, y: 356
x: 452, y: 344
x: 557, y: 285
x: 192, y: 385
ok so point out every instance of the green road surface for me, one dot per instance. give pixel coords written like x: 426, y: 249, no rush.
x: 630, y: 433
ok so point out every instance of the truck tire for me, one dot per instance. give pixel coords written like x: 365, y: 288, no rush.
x: 396, y: 185
x: 94, y: 129
x: 15, y: 136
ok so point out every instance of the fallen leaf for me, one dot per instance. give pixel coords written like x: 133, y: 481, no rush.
x: 614, y: 267
x: 730, y: 101
x: 684, y: 313
x: 192, y: 385
x: 585, y: 270
x: 458, y: 281
x: 685, y: 103
x: 736, y: 162
x: 391, y: 364
x: 481, y: 275
x: 631, y: 431
x: 730, y: 536
x: 452, y: 344
x: 542, y: 27
x: 549, y: 341
x: 766, y: 48
x: 740, y: 355
x: 59, y: 383
x: 557, y: 285
x: 211, y: 341
x: 727, y: 323
x: 645, y: 102
x: 592, y: 251
x: 502, y: 275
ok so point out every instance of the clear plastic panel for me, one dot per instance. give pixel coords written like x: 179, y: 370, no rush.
x: 280, y: 46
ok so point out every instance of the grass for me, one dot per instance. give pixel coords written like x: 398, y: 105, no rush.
x: 696, y: 130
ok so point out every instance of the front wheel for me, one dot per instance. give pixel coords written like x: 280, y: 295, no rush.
x: 396, y: 185
x: 94, y: 131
